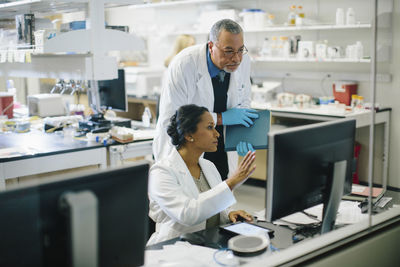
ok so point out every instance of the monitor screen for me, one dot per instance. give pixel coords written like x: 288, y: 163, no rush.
x: 301, y: 164
x: 35, y: 229
x: 112, y: 93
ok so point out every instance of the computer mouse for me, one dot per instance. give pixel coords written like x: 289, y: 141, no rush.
x: 193, y: 238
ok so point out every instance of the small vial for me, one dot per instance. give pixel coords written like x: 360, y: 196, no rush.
x: 360, y: 103
x: 292, y: 15
x: 354, y: 101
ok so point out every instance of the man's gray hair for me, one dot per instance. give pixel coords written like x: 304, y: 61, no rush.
x: 224, y: 24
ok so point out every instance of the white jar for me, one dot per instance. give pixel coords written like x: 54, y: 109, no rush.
x: 359, y: 50
x: 339, y: 16
x: 350, y: 17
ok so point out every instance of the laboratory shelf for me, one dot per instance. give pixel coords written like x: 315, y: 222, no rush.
x: 65, y: 66
x: 277, y: 28
x: 9, y: 10
x: 311, y: 60
x: 176, y: 3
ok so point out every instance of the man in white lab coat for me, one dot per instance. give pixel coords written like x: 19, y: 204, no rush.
x: 215, y: 75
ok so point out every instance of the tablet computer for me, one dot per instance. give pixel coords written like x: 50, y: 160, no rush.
x: 245, y: 228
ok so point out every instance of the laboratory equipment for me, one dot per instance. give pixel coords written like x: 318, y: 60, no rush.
x: 45, y: 105
x: 6, y: 104
x: 343, y: 90
x: 98, y: 219
x: 309, y: 165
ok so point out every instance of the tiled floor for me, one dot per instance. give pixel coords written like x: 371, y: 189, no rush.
x: 250, y: 198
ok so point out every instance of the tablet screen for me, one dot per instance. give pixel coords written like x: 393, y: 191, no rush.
x: 244, y: 228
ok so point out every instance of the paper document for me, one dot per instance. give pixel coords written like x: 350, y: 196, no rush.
x: 362, y: 190
x: 180, y: 254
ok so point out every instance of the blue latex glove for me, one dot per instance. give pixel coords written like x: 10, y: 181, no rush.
x: 242, y: 116
x: 243, y: 147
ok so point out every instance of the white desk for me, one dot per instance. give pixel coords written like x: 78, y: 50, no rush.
x: 46, y: 153
x: 362, y: 117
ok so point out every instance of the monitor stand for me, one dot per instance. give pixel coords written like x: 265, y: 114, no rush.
x: 81, y: 208
x: 331, y: 206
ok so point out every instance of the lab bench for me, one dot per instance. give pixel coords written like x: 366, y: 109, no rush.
x: 294, y: 116
x: 23, y: 154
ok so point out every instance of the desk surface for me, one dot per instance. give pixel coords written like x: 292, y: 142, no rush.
x: 16, y: 146
x: 283, y: 236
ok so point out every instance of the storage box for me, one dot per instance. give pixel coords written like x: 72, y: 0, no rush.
x: 6, y: 104
x: 343, y: 90
x: 46, y: 105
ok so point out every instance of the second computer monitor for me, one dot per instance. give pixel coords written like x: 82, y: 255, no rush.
x: 302, y: 162
x: 112, y: 93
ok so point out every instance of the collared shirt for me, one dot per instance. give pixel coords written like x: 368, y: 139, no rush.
x: 212, y: 69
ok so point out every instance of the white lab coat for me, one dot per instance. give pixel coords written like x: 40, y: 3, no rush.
x: 176, y: 205
x: 188, y: 82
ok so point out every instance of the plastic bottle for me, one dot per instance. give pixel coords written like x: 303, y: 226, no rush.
x: 273, y: 46
x: 300, y: 12
x: 359, y: 50
x: 354, y: 101
x: 360, y: 103
x: 292, y: 15
x: 339, y: 16
x: 350, y: 17
x: 285, y: 46
x: 12, y: 90
x: 146, y: 117
x: 266, y: 48
x: 300, y: 16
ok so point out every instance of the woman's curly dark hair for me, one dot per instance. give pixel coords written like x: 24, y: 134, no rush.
x: 184, y: 122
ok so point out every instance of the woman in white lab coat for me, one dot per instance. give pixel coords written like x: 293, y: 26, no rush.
x: 186, y: 192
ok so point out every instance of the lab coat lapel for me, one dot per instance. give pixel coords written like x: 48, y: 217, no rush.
x: 235, y: 87
x: 185, y: 178
x: 210, y: 177
x: 204, y: 84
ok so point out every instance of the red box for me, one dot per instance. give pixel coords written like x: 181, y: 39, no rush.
x: 343, y: 90
x: 6, y: 104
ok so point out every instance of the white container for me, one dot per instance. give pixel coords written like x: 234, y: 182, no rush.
x: 350, y: 17
x: 45, y: 105
x: 359, y: 50
x: 306, y: 49
x: 253, y: 18
x: 321, y: 50
x: 339, y: 16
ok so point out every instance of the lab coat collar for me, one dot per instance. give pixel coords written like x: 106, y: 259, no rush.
x: 177, y: 162
x: 212, y: 69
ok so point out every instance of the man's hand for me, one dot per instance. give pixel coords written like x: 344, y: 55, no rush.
x: 236, y: 116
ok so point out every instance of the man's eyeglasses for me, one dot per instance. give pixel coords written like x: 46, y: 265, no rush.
x: 230, y: 53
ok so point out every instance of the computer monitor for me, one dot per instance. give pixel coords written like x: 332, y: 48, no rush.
x: 97, y: 219
x: 309, y: 165
x: 112, y: 93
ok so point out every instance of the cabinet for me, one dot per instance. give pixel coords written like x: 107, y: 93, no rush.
x: 79, y: 54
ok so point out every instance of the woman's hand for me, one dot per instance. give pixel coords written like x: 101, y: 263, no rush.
x: 243, y: 171
x: 235, y: 216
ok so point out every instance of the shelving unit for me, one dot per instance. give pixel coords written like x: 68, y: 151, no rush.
x: 310, y: 60
x: 282, y: 28
x: 79, y: 54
